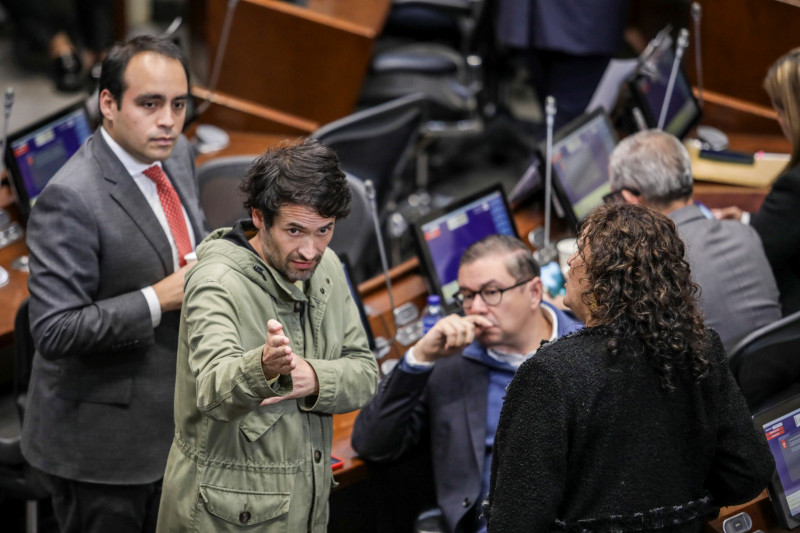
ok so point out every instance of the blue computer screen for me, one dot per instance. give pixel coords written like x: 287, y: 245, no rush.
x: 783, y: 437
x: 580, y: 163
x: 652, y: 82
x: 446, y: 237
x: 38, y: 154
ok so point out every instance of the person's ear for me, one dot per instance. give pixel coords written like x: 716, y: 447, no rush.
x: 631, y: 198
x: 536, y: 291
x: 107, y: 104
x: 258, y: 218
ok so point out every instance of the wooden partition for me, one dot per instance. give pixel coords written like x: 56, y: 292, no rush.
x: 309, y: 61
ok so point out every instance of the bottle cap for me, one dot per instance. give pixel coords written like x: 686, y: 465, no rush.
x: 434, y: 299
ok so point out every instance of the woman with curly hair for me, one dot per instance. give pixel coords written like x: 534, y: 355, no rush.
x: 633, y: 423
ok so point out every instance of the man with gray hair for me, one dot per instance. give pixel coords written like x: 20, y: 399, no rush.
x: 738, y: 292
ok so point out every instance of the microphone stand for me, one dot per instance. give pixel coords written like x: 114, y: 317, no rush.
x: 680, y: 47
x: 547, y: 252
x: 382, y: 346
x: 709, y: 136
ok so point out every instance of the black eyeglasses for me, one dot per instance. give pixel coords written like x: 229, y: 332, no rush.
x: 615, y: 197
x: 491, y: 296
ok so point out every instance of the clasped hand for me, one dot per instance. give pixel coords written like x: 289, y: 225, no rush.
x: 278, y: 358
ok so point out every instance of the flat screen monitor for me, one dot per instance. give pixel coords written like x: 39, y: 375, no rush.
x: 581, y: 151
x: 348, y: 274
x: 649, y: 86
x: 36, y: 152
x: 781, y: 426
x: 443, y: 235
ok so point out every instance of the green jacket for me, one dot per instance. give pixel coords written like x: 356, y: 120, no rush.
x: 232, y: 463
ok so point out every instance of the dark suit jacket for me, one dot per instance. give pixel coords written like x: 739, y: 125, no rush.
x: 101, y: 392
x: 577, y: 27
x: 778, y: 224
x: 738, y: 293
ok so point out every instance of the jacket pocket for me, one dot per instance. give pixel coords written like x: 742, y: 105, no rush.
x: 257, y: 422
x: 246, y: 508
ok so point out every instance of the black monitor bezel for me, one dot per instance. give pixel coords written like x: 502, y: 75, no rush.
x: 559, y: 191
x: 432, y: 281
x: 12, y: 168
x: 640, y: 99
x: 775, y: 488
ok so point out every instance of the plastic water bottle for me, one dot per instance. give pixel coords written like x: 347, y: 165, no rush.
x: 432, y: 313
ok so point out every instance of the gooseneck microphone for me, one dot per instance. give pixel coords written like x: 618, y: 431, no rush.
x: 697, y: 13
x: 680, y: 48
x: 8, y: 104
x: 546, y: 253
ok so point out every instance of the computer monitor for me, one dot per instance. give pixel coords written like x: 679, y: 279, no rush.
x: 442, y: 236
x: 781, y: 427
x: 35, y: 153
x: 581, y: 151
x: 648, y: 88
x: 348, y: 274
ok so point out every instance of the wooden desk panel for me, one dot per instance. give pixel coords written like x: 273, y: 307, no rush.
x: 309, y: 62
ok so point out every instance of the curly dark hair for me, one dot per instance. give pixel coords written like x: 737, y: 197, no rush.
x: 303, y: 173
x: 640, y: 290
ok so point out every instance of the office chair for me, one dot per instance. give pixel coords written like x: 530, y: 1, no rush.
x: 220, y: 198
x: 376, y: 143
x: 17, y: 478
x: 766, y: 363
x: 354, y: 235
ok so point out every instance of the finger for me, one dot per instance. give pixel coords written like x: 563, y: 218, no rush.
x: 271, y: 400
x: 273, y: 326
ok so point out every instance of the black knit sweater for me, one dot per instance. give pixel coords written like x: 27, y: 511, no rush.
x: 587, y: 443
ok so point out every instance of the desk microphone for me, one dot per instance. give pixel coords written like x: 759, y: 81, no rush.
x: 697, y: 13
x: 382, y: 345
x: 680, y: 48
x: 547, y: 253
x: 711, y: 137
x: 10, y: 231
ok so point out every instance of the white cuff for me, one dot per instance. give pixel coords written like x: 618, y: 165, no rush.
x: 149, y: 294
x: 414, y: 362
x: 745, y: 218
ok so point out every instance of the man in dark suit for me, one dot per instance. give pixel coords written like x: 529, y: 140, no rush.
x: 450, y: 385
x: 569, y: 45
x: 738, y: 292
x: 110, y: 240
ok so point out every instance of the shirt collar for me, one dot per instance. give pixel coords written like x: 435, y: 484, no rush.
x: 132, y: 165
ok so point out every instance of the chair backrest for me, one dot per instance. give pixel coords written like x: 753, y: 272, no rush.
x: 767, y: 361
x: 220, y: 198
x: 24, y: 350
x: 375, y: 143
x: 354, y: 235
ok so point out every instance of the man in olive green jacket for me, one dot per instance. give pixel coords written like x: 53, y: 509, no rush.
x: 271, y: 346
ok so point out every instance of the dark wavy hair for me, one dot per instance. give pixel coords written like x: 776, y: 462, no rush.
x: 303, y: 173
x: 640, y: 290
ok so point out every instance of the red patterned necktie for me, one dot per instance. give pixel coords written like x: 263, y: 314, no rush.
x: 172, y: 209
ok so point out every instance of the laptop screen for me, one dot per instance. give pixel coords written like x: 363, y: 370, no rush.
x: 581, y: 151
x: 444, y: 235
x: 38, y: 151
x: 781, y: 426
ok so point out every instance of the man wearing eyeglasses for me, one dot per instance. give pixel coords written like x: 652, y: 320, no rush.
x: 738, y: 293
x: 450, y: 385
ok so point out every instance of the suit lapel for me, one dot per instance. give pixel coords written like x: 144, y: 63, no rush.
x: 124, y: 191
x: 476, y: 385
